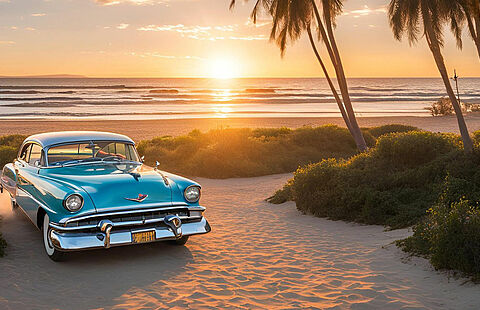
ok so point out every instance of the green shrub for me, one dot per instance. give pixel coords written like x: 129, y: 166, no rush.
x: 392, y: 184
x: 9, y: 146
x: 391, y: 128
x: 450, y: 237
x: 244, y: 152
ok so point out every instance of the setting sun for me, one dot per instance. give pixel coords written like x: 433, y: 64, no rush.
x: 223, y: 69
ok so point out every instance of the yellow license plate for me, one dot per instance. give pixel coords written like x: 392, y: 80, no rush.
x: 144, y: 236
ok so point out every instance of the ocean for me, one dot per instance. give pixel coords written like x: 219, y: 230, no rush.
x: 130, y: 98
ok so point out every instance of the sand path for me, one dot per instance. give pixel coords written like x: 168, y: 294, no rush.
x: 257, y: 256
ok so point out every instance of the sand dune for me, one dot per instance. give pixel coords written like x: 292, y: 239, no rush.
x: 257, y: 256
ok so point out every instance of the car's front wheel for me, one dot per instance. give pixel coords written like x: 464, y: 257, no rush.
x: 53, y: 253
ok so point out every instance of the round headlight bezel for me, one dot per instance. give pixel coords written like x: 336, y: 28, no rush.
x: 191, y: 187
x: 65, y: 201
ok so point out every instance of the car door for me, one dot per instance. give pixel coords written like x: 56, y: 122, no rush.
x: 27, y: 167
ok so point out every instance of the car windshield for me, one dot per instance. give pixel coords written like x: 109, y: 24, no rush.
x: 91, y: 151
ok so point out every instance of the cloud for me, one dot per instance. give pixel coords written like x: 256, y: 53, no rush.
x: 157, y: 55
x: 259, y: 22
x: 250, y: 38
x: 211, y: 33
x: 134, y: 2
x: 7, y: 42
x: 365, y: 11
x: 38, y: 14
x: 122, y: 26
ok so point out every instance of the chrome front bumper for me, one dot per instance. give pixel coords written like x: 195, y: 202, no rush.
x: 107, y: 235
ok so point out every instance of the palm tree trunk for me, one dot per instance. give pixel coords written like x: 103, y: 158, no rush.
x: 332, y: 49
x: 437, y: 55
x: 344, y: 89
x: 329, y: 80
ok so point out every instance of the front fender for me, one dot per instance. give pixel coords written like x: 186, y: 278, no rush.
x: 52, y: 193
x: 179, y: 184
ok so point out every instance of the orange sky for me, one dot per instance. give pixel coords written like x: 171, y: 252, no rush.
x: 198, y: 38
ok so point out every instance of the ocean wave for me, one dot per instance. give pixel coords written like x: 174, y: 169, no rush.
x: 259, y: 90
x: 164, y: 91
x: 33, y: 92
x: 121, y: 86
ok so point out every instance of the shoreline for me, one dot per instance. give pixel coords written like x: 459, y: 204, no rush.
x: 147, y: 129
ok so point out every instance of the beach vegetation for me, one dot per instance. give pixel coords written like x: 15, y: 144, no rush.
x: 393, y: 184
x: 225, y: 153
x: 444, y: 106
x: 9, y: 146
x: 290, y: 19
x: 449, y: 236
x: 414, y: 18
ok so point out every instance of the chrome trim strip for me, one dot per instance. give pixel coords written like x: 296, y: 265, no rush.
x: 115, y: 211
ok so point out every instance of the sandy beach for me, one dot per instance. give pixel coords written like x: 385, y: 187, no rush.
x: 147, y: 129
x: 257, y: 256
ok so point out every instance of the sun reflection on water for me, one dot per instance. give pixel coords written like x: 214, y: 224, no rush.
x: 222, y: 95
x: 222, y: 110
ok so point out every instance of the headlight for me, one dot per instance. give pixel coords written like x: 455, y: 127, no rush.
x: 192, y: 193
x: 73, y: 203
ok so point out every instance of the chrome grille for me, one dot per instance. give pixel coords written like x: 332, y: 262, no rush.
x: 129, y: 217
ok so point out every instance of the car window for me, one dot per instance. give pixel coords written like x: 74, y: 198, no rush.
x: 69, y: 152
x: 25, y: 154
x: 35, y: 154
x: 97, y: 149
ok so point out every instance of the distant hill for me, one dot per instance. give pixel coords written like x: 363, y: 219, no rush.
x: 46, y: 76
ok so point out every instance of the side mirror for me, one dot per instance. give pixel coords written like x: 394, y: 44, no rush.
x: 37, y: 163
x: 142, y: 159
x: 157, y: 164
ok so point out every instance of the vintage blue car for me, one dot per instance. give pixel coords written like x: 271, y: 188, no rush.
x: 89, y: 190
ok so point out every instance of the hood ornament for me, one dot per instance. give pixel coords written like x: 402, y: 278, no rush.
x: 140, y: 198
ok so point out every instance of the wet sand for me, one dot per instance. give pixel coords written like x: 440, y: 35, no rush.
x: 258, y: 255
x: 147, y: 129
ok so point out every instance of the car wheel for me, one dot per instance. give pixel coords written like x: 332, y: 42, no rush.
x: 52, y: 253
x: 180, y: 241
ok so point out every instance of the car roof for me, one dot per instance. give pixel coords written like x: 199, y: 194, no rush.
x: 60, y: 137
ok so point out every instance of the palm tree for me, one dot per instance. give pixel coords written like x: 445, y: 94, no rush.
x: 290, y: 19
x: 413, y: 17
x: 471, y: 13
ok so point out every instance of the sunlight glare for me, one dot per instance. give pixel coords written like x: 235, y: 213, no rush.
x: 223, y: 69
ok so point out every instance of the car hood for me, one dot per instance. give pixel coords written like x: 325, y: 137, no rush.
x: 117, y: 186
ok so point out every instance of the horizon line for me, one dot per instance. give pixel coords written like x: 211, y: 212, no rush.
x: 74, y: 76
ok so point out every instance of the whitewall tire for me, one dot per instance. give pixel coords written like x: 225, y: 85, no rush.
x: 52, y: 253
